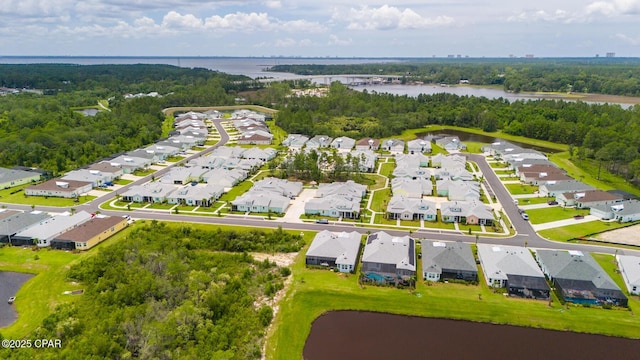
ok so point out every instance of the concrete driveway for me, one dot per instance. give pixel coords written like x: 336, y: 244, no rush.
x: 296, y: 209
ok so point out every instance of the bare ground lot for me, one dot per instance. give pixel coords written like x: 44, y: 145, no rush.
x: 629, y: 236
x: 366, y: 335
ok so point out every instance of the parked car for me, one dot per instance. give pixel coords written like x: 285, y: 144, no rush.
x: 11, y: 300
x: 322, y: 221
x: 552, y: 202
x: 515, y: 201
x: 525, y: 216
x: 520, y: 210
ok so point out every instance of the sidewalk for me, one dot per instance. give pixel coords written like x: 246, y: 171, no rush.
x: 565, y: 222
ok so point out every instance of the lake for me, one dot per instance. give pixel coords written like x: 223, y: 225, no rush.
x: 471, y: 137
x: 367, y: 335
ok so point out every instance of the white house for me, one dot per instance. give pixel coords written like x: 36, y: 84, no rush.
x: 630, y: 269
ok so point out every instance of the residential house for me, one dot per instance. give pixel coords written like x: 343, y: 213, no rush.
x: 199, y: 195
x: 515, y: 163
x: 630, y: 269
x: 255, y: 138
x: 451, y: 143
x: 418, y: 146
x: 349, y: 188
x: 588, y: 199
x: 394, y: 146
x: 319, y: 141
x: 12, y: 177
x: 151, y: 192
x: 624, y: 211
x: 343, y: 143
x: 453, y: 174
x: 412, y: 160
x: 180, y: 175
x: 12, y: 222
x: 89, y: 233
x: 458, y: 190
x: 368, y: 144
x: 43, y: 232
x: 59, y: 188
x: 295, y: 141
x: 290, y: 189
x: 163, y: 151
x: 255, y: 153
x: 466, y: 212
x: 130, y: 164
x: 226, y: 178
x: 95, y: 177
x: 334, y: 250
x: 513, y: 268
x: 579, y: 279
x: 404, y: 208
x: 366, y: 160
x: 105, y: 167
x: 541, y: 174
x: 448, y: 261
x: 411, y: 188
x: 553, y: 188
x: 150, y: 155
x: 506, y: 151
x: 259, y: 201
x: 188, y: 140
x: 414, y: 173
x: 389, y: 259
x: 335, y: 206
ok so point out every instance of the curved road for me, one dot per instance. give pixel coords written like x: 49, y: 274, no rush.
x: 524, y: 232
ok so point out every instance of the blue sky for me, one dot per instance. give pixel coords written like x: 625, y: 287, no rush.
x: 367, y: 28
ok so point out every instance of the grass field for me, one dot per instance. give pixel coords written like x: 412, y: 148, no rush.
x: 314, y: 292
x: 373, y: 181
x: 236, y: 191
x: 521, y: 189
x: 584, y: 229
x: 143, y: 172
x: 386, y: 169
x: 534, y: 200
x: 380, y: 198
x: 20, y: 198
x: 553, y: 213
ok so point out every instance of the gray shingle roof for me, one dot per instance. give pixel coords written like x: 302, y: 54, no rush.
x: 387, y: 249
x: 342, y: 246
x: 574, y: 265
x: 440, y: 255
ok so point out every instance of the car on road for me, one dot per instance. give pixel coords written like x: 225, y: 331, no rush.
x: 520, y: 210
x: 525, y: 216
x: 11, y: 300
x: 552, y: 202
x: 322, y: 221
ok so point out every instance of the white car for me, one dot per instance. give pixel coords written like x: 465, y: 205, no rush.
x: 525, y: 216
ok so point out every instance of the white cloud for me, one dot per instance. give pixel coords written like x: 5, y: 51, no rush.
x: 387, y: 18
x: 273, y: 4
x: 614, y: 8
x: 176, y: 20
x: 334, y: 40
x: 35, y: 8
x: 558, y: 15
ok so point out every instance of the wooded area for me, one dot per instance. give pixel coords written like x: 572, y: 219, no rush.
x: 615, y: 76
x: 170, y: 292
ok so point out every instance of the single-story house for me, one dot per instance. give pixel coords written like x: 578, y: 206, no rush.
x: 554, y: 188
x: 106, y: 168
x: 624, y: 211
x: 224, y: 177
x: 261, y: 201
x: 630, y: 269
x: 394, y: 146
x: 418, y: 146
x: 403, y: 208
x: 163, y: 151
x: 412, y: 160
x: 368, y: 144
x: 410, y: 172
x: 42, y: 233
x: 579, y: 279
x: 334, y: 206
x: 544, y: 168
x: 448, y: 261
x: 130, y: 164
x: 150, y: 155
x: 466, y: 212
x: 319, y: 141
x: 59, y: 188
x: 11, y: 177
x: 253, y: 138
x: 12, y: 222
x: 290, y: 189
x: 451, y: 143
x: 458, y: 190
x: 95, y: 177
x: 180, y: 175
x: 199, y: 195
x: 151, y: 192
x: 587, y: 199
x: 295, y: 141
x: 513, y: 268
x: 348, y: 188
x: 260, y: 154
x: 343, y: 143
x: 89, y: 233
x: 389, y: 259
x: 334, y: 250
x: 411, y: 188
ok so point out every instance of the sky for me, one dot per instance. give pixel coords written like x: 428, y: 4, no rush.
x: 319, y: 28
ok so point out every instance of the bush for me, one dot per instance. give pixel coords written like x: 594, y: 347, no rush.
x: 285, y: 271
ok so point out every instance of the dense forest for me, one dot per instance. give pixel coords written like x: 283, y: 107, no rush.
x: 597, y: 75
x: 170, y: 292
x: 43, y: 130
x: 604, y: 132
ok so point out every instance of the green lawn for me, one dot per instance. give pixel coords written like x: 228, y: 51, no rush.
x: 584, y: 229
x: 534, y: 200
x: 373, y: 181
x: 175, y: 158
x: 380, y: 200
x: 380, y: 219
x: 20, y: 198
x: 505, y: 172
x: 474, y: 147
x: 521, y: 189
x: 122, y: 182
x: 386, y: 169
x: 211, y: 142
x: 439, y: 225
x: 497, y: 165
x: 314, y: 292
x: 143, y: 172
x: 410, y: 223
x: 553, y: 213
x: 160, y: 206
x: 236, y: 191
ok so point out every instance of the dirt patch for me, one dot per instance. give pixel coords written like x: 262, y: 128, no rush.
x: 281, y: 259
x: 366, y: 335
x: 629, y: 236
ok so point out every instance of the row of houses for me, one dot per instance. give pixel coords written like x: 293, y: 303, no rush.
x: 388, y: 259
x: 252, y: 127
x: 296, y: 142
x: 16, y: 177
x: 269, y: 195
x: 66, y: 231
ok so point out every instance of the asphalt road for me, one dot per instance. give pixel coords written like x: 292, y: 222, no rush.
x: 525, y: 234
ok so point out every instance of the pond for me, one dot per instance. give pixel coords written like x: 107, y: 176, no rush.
x: 10, y: 283
x: 466, y: 136
x: 368, y: 335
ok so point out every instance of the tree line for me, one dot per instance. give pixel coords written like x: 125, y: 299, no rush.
x: 615, y: 76
x: 169, y: 292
